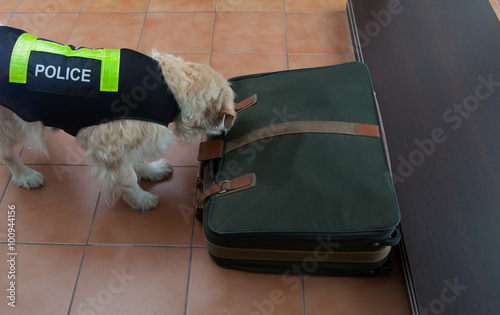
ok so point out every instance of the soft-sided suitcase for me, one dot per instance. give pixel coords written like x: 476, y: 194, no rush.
x: 301, y: 183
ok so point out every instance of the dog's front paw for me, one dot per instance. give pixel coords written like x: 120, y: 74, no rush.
x: 145, y: 202
x: 155, y: 171
x: 29, y: 179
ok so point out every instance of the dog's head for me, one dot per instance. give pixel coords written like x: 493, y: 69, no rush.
x: 205, y: 99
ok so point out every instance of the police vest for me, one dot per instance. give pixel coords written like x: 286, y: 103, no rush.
x: 72, y: 88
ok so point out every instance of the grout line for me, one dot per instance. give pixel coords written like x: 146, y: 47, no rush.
x: 303, y: 294
x: 332, y: 11
x: 10, y: 178
x: 252, y: 53
x: 47, y: 244
x: 280, y: 11
x: 47, y: 12
x: 286, y: 37
x: 137, y: 12
x: 12, y: 13
x: 212, y: 36
x: 320, y: 54
x: 83, y: 255
x: 114, y: 12
x: 107, y: 245
x: 194, y: 222
x: 268, y: 53
x: 188, y: 280
x: 351, y: 35
x: 241, y: 53
x: 163, y: 12
x: 5, y: 191
x: 74, y: 23
x: 143, y: 23
x: 139, y: 245
x: 190, y: 263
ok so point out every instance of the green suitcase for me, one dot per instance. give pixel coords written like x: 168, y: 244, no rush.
x: 302, y: 182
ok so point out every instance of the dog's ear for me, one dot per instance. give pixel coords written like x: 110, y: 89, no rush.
x: 227, y: 114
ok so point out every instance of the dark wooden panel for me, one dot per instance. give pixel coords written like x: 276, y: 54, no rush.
x: 431, y: 61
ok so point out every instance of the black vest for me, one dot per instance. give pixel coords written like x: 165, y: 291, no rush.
x: 65, y: 91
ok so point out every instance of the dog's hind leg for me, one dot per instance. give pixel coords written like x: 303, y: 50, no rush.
x: 14, y: 131
x: 115, y: 151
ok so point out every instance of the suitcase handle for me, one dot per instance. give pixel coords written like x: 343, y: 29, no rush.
x: 252, y: 100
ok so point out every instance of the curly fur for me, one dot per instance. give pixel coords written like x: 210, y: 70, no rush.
x: 193, y: 85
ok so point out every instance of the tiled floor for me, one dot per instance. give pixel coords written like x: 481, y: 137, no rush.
x: 496, y: 6
x: 76, y: 255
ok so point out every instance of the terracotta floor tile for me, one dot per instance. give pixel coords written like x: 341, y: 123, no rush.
x: 198, y: 236
x: 203, y: 59
x: 62, y: 149
x: 55, y: 27
x: 59, y: 212
x: 380, y: 295
x: 45, y: 278
x: 315, y: 5
x: 232, y: 65
x: 171, y: 223
x: 107, y: 30
x: 5, y: 173
x: 255, y: 5
x: 132, y: 280
x: 296, y: 61
x: 180, y: 32
x: 8, y: 5
x: 231, y: 292
x: 4, y: 178
x: 115, y: 6
x: 494, y: 4
x: 47, y: 7
x: 182, y: 6
x: 183, y: 154
x: 4, y: 18
x: 318, y: 33
x: 249, y: 33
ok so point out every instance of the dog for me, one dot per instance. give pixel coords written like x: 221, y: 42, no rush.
x: 120, y: 150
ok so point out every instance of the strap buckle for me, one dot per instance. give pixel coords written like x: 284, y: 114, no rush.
x: 223, y: 186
